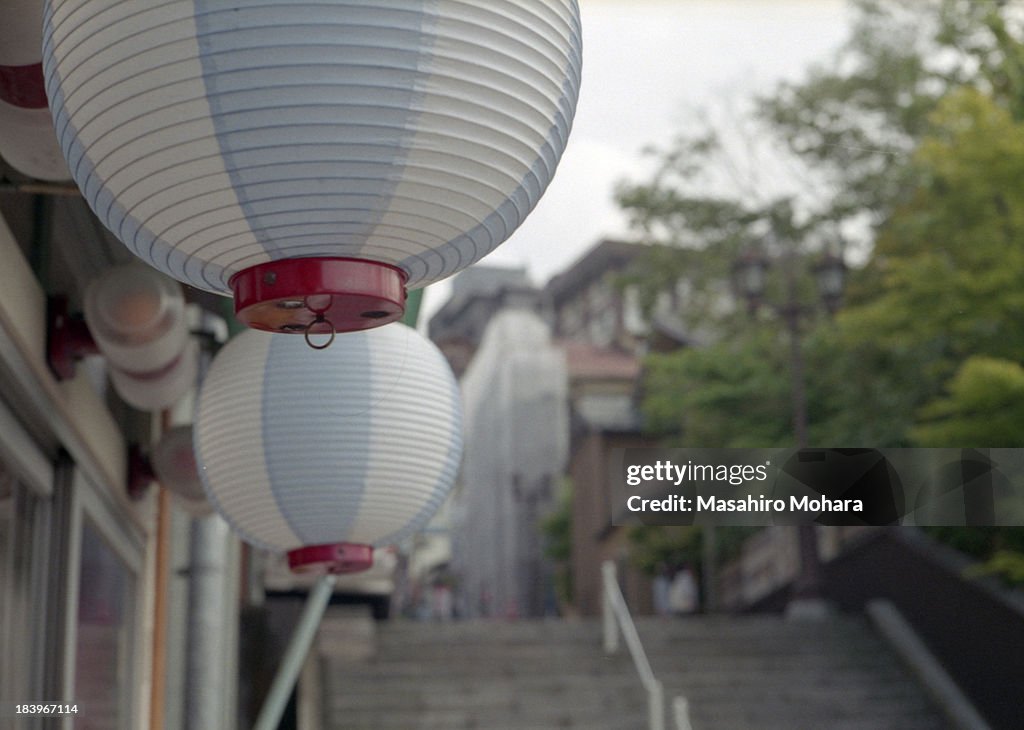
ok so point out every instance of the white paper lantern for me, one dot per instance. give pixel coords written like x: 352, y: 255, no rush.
x: 314, y: 159
x: 357, y: 445
x: 137, y: 318
x: 27, y: 141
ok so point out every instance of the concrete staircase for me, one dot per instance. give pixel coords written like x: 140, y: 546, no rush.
x: 764, y: 673
x: 738, y: 673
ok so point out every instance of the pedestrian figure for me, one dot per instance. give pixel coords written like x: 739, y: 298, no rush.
x: 662, y: 583
x: 682, y: 593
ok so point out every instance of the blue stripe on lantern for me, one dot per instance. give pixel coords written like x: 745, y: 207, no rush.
x: 290, y: 196
x: 99, y: 197
x: 256, y: 350
x: 317, y: 489
x: 494, y: 229
x: 443, y: 483
x: 306, y: 113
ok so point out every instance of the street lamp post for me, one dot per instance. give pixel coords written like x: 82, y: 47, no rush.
x: 750, y: 276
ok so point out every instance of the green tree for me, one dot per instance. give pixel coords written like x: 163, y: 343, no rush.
x: 914, y: 125
x: 556, y: 532
x: 984, y: 407
x: 999, y: 550
x: 944, y: 277
x: 731, y: 394
x: 917, y: 130
x: 654, y: 549
x: 858, y: 119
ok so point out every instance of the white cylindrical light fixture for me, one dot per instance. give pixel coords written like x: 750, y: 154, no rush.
x: 27, y: 139
x: 314, y: 159
x: 325, y: 455
x: 137, y: 318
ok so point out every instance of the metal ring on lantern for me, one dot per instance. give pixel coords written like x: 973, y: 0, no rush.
x: 320, y: 319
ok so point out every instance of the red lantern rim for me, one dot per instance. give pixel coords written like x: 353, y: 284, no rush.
x: 23, y: 86
x: 314, y: 296
x: 337, y: 558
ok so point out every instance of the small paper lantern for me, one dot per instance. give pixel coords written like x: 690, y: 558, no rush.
x: 27, y: 141
x: 326, y: 454
x: 315, y: 159
x: 137, y: 318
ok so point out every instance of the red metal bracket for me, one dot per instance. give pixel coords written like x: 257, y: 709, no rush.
x: 319, y: 295
x: 338, y: 558
x: 68, y: 339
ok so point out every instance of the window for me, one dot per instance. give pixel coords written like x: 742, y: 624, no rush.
x: 68, y: 587
x: 16, y: 588
x: 25, y: 573
x: 103, y: 666
x: 103, y: 641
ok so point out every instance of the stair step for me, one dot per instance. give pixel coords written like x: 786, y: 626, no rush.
x: 738, y: 673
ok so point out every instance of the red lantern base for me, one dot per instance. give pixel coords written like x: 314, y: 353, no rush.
x: 318, y: 295
x: 342, y: 557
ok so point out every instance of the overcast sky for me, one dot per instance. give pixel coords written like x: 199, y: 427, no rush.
x: 647, y: 65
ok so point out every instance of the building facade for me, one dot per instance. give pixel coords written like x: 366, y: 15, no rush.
x: 105, y: 604
x: 516, y: 428
x: 583, y: 336
x: 478, y: 294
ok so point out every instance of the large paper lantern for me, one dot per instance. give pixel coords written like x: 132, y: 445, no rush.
x: 315, y: 159
x: 326, y: 454
x: 27, y: 141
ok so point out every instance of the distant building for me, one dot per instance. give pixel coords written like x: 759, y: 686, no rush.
x: 587, y: 301
x: 478, y: 293
x: 604, y: 417
x: 457, y: 328
x: 600, y: 325
x: 595, y: 300
x: 591, y: 348
x: 516, y: 431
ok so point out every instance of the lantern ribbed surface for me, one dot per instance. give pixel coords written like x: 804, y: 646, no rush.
x: 358, y: 443
x: 211, y: 137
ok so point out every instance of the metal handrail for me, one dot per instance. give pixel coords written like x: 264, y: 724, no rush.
x: 616, y: 618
